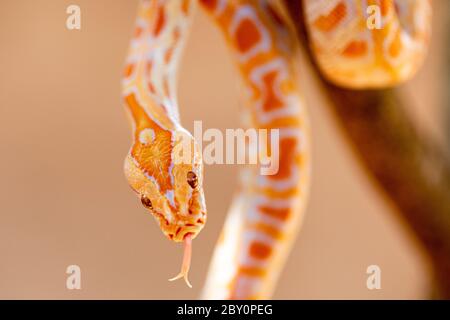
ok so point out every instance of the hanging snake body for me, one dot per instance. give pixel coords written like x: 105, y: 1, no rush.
x: 268, y: 209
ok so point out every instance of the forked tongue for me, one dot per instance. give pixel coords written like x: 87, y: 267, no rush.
x: 186, y: 260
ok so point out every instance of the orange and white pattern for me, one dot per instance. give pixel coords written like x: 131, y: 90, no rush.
x: 268, y: 209
x: 171, y: 190
x: 352, y: 54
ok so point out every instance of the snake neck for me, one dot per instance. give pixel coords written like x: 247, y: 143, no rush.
x: 153, y: 59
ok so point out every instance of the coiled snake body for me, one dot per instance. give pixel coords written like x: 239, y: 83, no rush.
x: 267, y: 212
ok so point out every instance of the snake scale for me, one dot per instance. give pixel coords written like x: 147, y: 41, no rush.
x: 268, y: 210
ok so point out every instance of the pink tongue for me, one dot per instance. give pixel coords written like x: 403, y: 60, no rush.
x: 186, y: 260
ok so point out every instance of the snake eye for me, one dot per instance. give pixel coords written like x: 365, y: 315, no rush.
x: 146, y: 202
x: 192, y: 179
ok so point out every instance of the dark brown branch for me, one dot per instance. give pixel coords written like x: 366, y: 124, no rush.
x: 412, y: 171
x: 446, y: 77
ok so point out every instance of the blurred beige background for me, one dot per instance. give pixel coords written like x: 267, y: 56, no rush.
x: 64, y: 199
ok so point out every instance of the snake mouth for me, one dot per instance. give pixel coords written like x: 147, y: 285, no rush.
x: 181, y: 232
x: 182, y: 225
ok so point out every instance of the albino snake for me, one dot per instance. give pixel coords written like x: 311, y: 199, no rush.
x: 268, y: 210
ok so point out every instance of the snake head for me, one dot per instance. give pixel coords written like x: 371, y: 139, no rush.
x: 166, y: 172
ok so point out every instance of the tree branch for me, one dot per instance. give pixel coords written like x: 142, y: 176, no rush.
x: 412, y: 171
